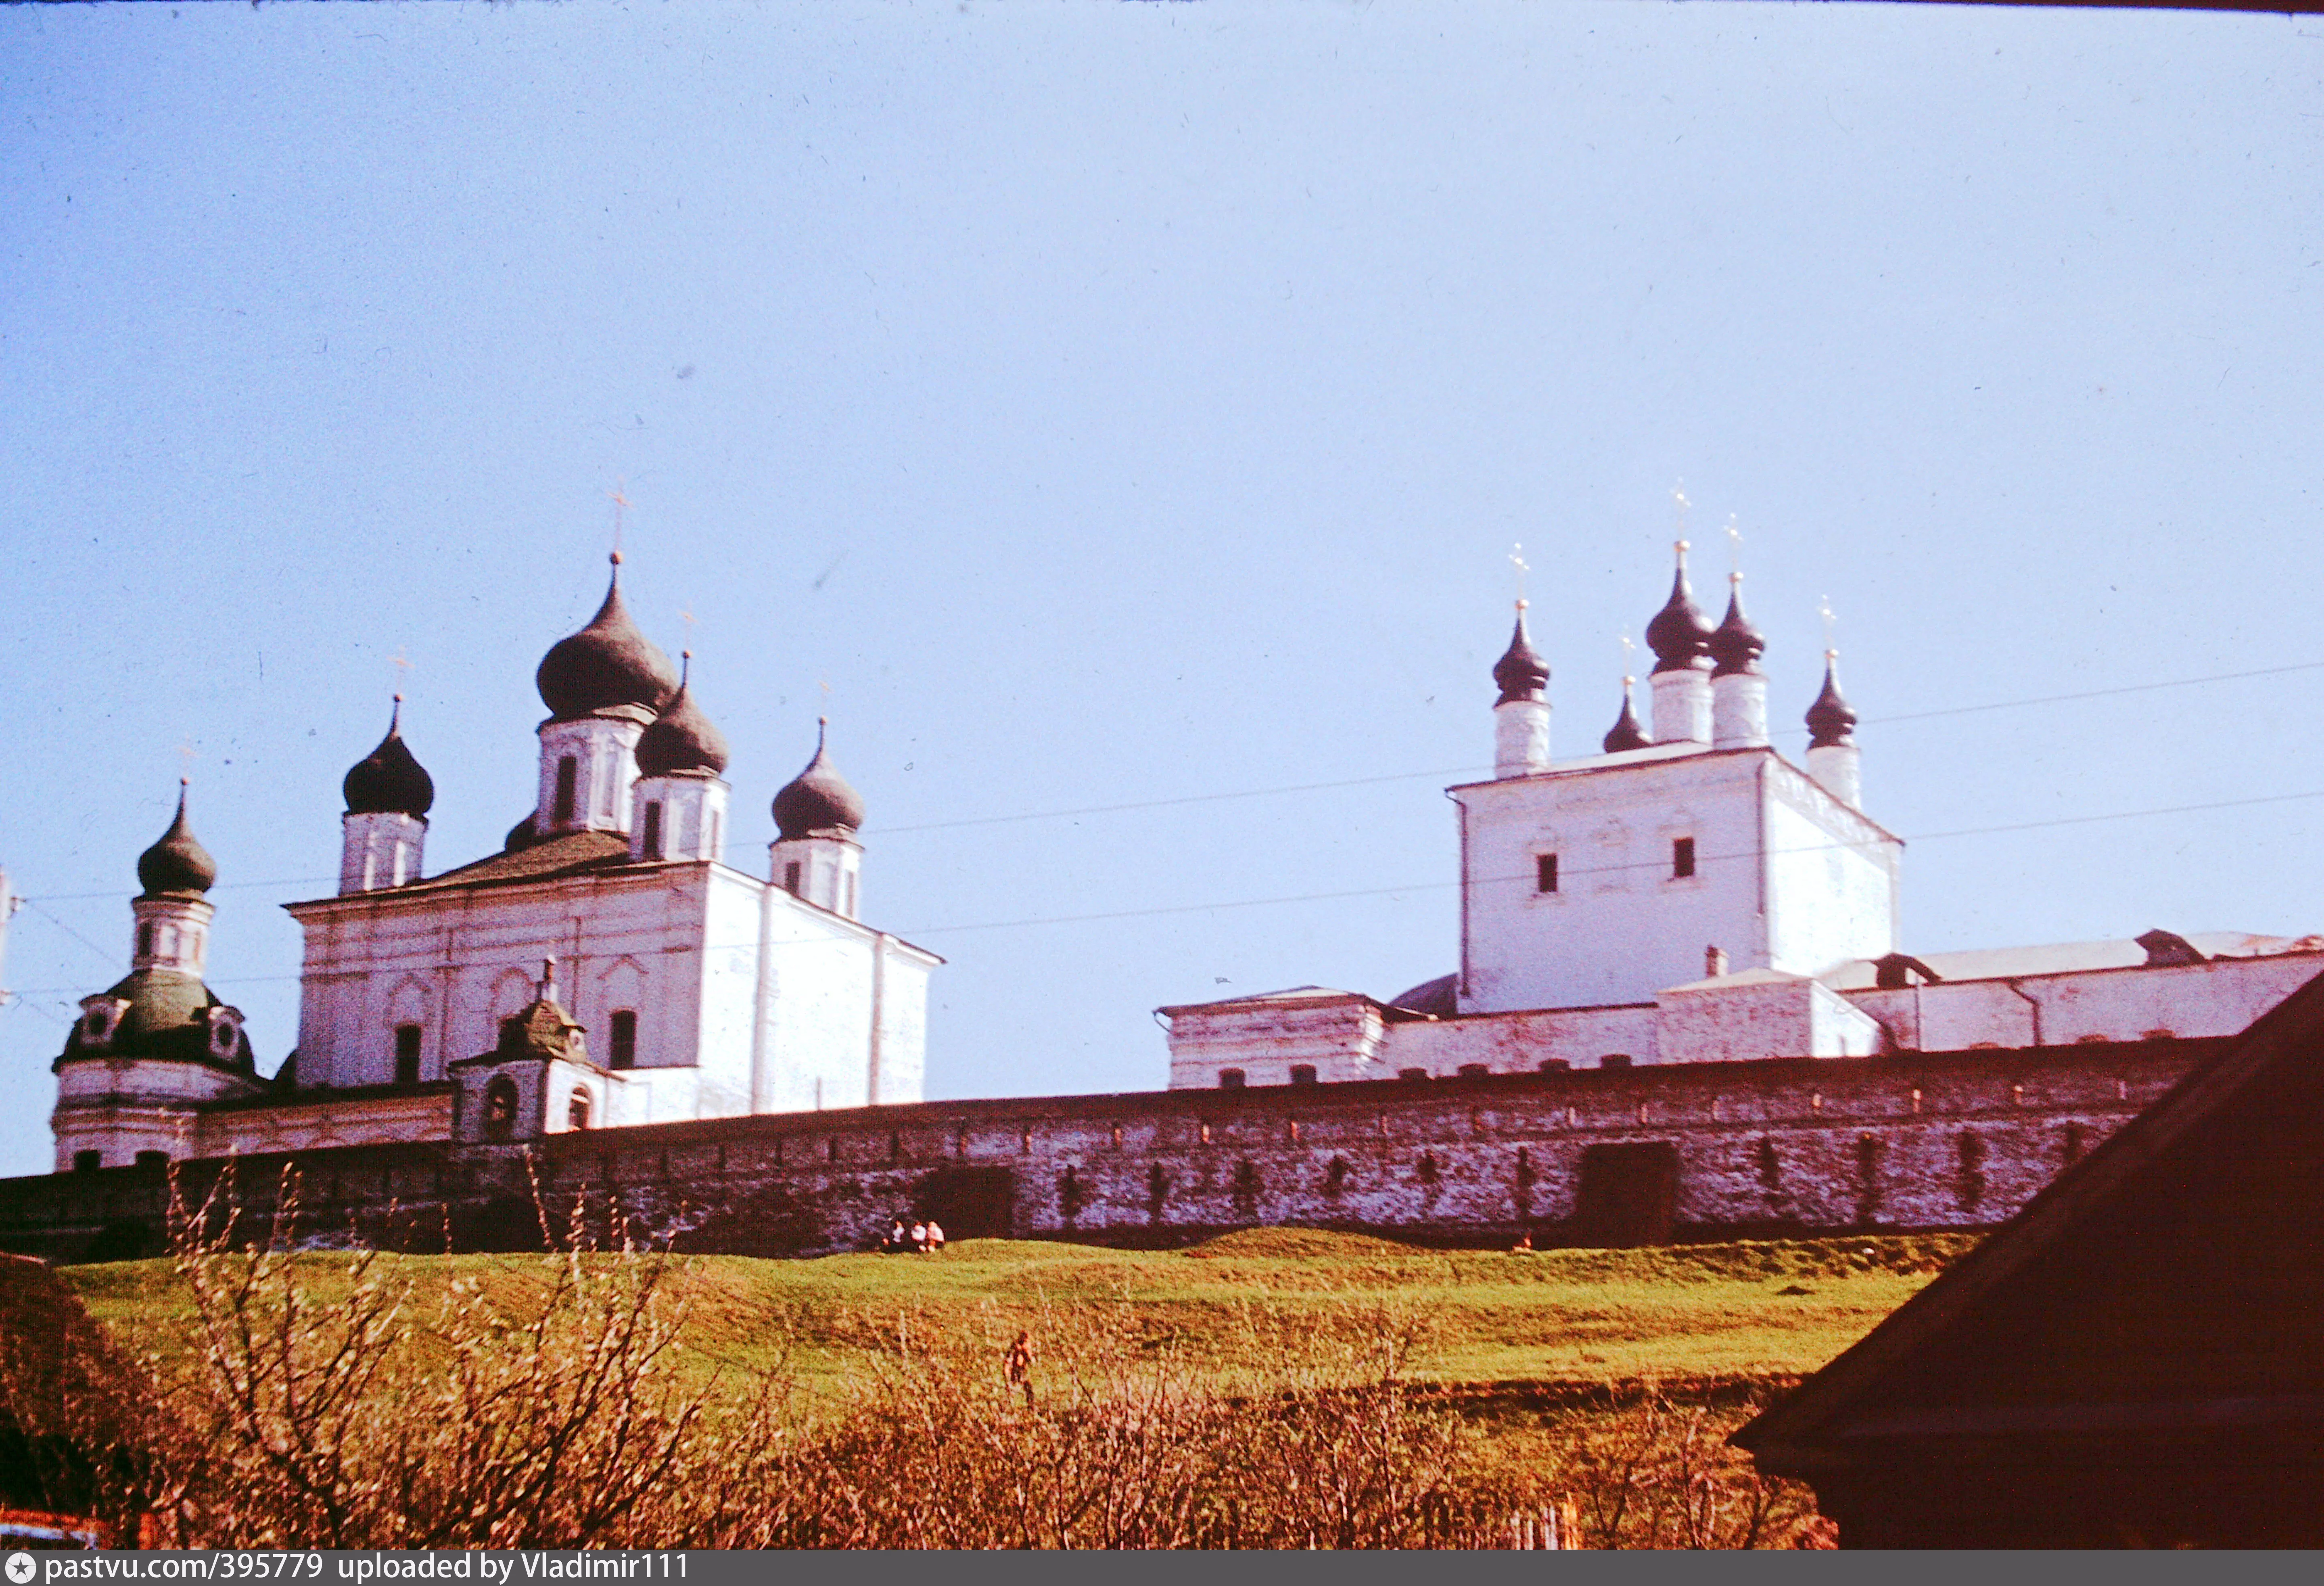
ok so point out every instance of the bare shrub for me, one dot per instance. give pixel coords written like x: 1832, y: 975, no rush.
x: 333, y: 1400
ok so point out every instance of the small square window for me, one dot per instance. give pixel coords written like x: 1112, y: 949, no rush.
x: 1681, y: 858
x: 1544, y: 873
x: 1230, y: 1079
x: 1303, y: 1074
x: 87, y: 1161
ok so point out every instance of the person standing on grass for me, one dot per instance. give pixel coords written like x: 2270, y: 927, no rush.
x: 936, y: 1235
x: 1018, y: 1368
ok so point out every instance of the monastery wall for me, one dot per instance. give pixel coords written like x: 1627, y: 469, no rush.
x: 1915, y: 1141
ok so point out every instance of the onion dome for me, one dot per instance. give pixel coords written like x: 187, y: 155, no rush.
x: 1679, y: 635
x: 682, y: 740
x: 177, y: 864
x: 1736, y: 646
x: 1830, y: 722
x: 607, y: 666
x: 818, y: 799
x: 1521, y: 672
x: 389, y: 781
x: 1626, y: 733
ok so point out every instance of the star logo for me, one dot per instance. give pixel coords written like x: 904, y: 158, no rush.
x: 21, y: 1568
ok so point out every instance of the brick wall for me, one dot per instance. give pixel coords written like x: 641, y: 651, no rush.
x: 1930, y: 1141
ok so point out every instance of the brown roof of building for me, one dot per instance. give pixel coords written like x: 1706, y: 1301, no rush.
x: 571, y: 855
x: 2171, y: 1280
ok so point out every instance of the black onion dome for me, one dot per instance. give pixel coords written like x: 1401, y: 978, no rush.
x: 1831, y: 721
x: 608, y: 665
x: 1736, y: 646
x: 1627, y: 735
x: 389, y: 781
x: 681, y: 738
x: 1679, y: 635
x: 1521, y: 672
x: 177, y: 864
x: 818, y: 799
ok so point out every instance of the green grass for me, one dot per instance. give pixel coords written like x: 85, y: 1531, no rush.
x: 1683, y: 1315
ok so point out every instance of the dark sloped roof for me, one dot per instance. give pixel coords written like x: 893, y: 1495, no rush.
x: 2172, y: 1279
x: 572, y: 853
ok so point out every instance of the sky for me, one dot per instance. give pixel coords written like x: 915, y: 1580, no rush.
x: 1117, y: 418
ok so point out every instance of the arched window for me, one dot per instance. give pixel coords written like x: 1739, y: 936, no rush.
x: 791, y: 878
x: 145, y: 939
x: 407, y: 1054
x: 568, y: 783
x: 499, y: 1109
x: 624, y: 1033
x: 576, y: 1111
x: 652, y: 844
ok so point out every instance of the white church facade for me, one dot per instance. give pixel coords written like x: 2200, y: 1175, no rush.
x: 607, y: 968
x: 1694, y: 896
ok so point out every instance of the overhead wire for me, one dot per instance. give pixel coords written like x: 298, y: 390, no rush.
x: 1566, y: 873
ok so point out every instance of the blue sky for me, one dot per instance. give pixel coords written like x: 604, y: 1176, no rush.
x: 1091, y: 404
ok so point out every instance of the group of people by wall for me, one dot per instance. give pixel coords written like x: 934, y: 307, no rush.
x: 920, y: 1237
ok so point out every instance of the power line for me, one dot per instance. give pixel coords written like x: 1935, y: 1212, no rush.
x: 1654, y: 865
x: 1468, y: 770
x: 1523, y: 880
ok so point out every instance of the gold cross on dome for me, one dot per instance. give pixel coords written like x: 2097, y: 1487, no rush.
x: 1734, y: 544
x: 621, y: 504
x: 186, y: 761
x: 1678, y: 499
x: 1517, y: 560
x: 1823, y: 610
x: 1627, y: 647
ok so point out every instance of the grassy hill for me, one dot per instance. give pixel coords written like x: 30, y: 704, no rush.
x: 1700, y: 1314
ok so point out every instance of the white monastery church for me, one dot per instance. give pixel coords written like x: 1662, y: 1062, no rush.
x: 1688, y: 896
x: 606, y: 968
x: 1694, y: 896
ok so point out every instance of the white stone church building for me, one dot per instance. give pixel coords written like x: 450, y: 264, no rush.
x: 1694, y: 896
x: 606, y: 968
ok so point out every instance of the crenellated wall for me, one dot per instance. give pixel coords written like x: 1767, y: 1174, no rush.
x: 1943, y: 1140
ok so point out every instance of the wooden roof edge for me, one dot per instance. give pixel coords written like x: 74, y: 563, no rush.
x: 1787, y: 1438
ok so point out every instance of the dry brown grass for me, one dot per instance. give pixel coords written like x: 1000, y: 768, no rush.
x: 349, y: 1413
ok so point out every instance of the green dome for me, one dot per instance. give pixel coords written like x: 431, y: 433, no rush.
x: 167, y: 1017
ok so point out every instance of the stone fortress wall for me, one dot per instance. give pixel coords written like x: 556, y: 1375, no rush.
x: 1912, y: 1141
